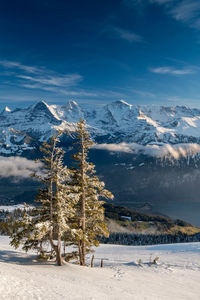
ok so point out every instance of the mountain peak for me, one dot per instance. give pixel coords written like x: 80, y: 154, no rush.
x: 121, y: 103
x: 40, y: 105
x: 119, y: 106
x: 124, y: 102
x: 6, y: 110
x: 73, y: 111
x: 71, y: 104
x: 42, y: 110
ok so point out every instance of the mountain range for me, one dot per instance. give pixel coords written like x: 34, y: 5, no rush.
x: 148, y: 156
x: 117, y: 123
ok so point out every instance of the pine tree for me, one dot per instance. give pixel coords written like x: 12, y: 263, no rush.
x: 89, y: 221
x: 49, y: 221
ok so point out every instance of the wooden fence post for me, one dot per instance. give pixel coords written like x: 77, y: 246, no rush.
x: 92, y: 261
x: 102, y: 263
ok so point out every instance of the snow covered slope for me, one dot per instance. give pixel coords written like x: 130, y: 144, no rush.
x: 22, y: 129
x: 177, y: 275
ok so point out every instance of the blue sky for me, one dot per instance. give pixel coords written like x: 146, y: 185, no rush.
x: 142, y: 51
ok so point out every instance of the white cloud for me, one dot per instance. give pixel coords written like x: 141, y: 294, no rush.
x: 186, y: 10
x: 33, y: 77
x: 82, y: 93
x: 161, y: 1
x: 121, y: 147
x: 141, y: 3
x: 172, y: 71
x: 70, y: 92
x: 18, y: 167
x: 124, y: 34
x: 39, y: 87
x: 65, y: 80
x: 166, y: 150
x: 41, y: 76
x: 17, y: 65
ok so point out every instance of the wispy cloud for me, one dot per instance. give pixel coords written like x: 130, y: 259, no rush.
x: 142, y: 3
x: 172, y: 71
x: 120, y: 33
x: 54, y: 80
x: 67, y: 92
x: 141, y: 93
x: 133, y: 3
x: 79, y: 93
x: 38, y: 86
x: 186, y: 11
x: 182, y: 101
x: 161, y: 1
x: 43, y: 79
x: 144, y: 93
x: 34, y: 77
x: 16, y: 65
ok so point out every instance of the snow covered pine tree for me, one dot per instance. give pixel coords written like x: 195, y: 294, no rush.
x: 49, y: 221
x: 89, y: 220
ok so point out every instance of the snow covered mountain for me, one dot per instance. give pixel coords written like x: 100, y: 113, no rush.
x: 141, y: 152
x: 114, y: 123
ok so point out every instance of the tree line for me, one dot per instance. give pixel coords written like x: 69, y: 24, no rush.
x: 69, y: 208
x: 133, y: 239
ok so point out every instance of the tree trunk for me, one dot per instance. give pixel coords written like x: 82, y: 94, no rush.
x: 82, y: 242
x: 80, y: 252
x: 58, y: 252
x: 83, y: 250
x: 64, y: 248
x: 57, y: 248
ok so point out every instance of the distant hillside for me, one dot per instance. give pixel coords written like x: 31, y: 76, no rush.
x: 122, y: 219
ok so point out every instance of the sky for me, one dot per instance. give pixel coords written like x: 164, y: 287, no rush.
x: 142, y: 51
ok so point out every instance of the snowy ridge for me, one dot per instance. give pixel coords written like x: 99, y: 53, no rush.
x: 114, y: 123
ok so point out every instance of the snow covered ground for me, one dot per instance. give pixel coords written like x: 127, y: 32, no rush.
x: 11, y: 208
x: 177, y: 275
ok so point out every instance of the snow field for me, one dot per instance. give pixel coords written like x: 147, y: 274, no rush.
x: 177, y: 275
